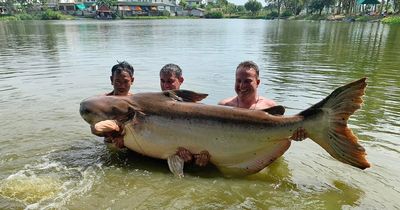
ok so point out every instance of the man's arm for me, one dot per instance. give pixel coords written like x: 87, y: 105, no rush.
x: 105, y: 127
x: 110, y: 129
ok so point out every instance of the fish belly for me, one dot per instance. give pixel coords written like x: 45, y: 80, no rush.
x: 234, y: 148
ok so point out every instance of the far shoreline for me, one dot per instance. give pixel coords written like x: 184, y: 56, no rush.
x: 391, y: 19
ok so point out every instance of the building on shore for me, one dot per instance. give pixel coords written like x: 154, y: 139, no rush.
x: 123, y: 7
x: 126, y: 8
x: 199, y: 2
x: 147, y: 8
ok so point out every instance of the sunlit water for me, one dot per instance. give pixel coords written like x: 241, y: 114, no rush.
x: 50, y: 160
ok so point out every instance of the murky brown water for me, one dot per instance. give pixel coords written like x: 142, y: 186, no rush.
x: 49, y: 159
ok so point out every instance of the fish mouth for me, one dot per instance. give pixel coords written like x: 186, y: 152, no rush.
x: 91, y: 116
x: 95, y: 118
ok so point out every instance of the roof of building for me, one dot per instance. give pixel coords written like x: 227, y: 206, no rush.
x: 368, y: 2
x: 129, y: 3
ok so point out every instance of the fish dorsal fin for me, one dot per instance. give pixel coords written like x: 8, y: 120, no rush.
x: 185, y: 95
x: 275, y: 110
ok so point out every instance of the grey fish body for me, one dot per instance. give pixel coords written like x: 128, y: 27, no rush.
x: 231, y: 145
x: 240, y: 141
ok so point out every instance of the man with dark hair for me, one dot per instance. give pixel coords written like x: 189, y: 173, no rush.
x: 246, y: 84
x: 121, y: 80
x: 171, y: 77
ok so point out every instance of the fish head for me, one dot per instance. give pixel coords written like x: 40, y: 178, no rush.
x: 99, y: 108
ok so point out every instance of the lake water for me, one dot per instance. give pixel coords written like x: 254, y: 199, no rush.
x: 50, y: 160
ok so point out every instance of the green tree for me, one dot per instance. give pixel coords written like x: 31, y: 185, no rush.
x: 193, y: 6
x: 221, y: 3
x: 275, y: 4
x: 294, y: 6
x: 210, y: 6
x: 24, y: 5
x: 240, y: 8
x: 231, y: 8
x: 396, y: 5
x: 347, y: 5
x: 43, y: 4
x: 319, y: 5
x: 253, y: 6
x: 8, y: 4
x: 183, y: 3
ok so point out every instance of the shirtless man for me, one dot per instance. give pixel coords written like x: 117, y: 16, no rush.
x: 246, y: 84
x: 121, y: 80
x: 171, y: 79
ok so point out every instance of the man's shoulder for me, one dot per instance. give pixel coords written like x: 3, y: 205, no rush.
x: 231, y: 101
x: 112, y: 94
x: 267, y: 102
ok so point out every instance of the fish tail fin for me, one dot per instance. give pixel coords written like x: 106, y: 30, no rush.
x: 333, y: 134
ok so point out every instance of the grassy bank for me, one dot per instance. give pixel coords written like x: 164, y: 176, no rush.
x: 56, y: 15
x: 46, y: 15
x: 391, y: 20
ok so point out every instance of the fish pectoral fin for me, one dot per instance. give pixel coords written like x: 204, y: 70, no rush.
x: 185, y: 95
x: 175, y: 164
x: 275, y: 110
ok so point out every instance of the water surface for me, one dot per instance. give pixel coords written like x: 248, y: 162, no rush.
x: 49, y: 159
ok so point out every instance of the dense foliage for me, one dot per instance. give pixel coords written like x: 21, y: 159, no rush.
x: 51, y: 15
x: 214, y: 14
x: 346, y: 7
x: 253, y: 6
x: 391, y: 20
x: 318, y: 5
x: 41, y: 15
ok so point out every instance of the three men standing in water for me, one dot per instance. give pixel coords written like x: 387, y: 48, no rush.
x: 246, y: 84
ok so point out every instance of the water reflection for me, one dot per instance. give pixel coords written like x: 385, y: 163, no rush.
x: 333, y: 54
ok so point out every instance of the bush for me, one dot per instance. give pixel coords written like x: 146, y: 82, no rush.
x: 214, y: 14
x: 391, y: 20
x: 165, y: 13
x: 25, y: 16
x: 46, y: 15
x: 9, y: 18
x: 51, y: 15
x: 286, y: 13
x: 272, y: 15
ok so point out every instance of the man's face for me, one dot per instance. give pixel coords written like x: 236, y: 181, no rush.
x: 169, y: 81
x: 122, y: 83
x: 246, y: 82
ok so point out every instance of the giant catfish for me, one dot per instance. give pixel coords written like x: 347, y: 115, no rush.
x: 240, y: 141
